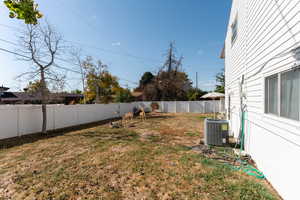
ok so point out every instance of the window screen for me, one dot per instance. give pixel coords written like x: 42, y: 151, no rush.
x: 271, y: 94
x: 234, y: 28
x: 290, y: 97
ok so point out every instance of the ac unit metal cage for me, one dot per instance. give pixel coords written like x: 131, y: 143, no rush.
x: 216, y: 132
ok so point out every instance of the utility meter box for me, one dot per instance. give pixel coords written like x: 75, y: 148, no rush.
x: 216, y: 132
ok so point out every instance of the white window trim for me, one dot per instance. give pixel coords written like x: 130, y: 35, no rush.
x: 279, y: 94
x: 278, y: 116
x: 235, y: 22
x: 267, y: 108
x: 284, y: 120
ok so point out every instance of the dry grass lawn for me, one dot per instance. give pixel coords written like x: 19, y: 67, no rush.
x: 150, y: 160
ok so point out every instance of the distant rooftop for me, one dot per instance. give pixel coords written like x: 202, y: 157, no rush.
x: 3, y: 89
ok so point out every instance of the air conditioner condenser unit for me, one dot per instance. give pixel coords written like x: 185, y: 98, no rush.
x: 216, y: 132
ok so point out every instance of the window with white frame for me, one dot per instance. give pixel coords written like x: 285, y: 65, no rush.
x: 271, y: 94
x: 282, y: 94
x: 290, y: 89
x: 234, y: 30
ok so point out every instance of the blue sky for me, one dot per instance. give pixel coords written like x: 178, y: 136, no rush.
x: 131, y: 36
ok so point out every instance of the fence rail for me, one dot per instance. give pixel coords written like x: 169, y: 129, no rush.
x: 187, y: 106
x: 18, y: 120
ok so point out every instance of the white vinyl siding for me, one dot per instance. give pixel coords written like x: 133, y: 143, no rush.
x: 266, y: 29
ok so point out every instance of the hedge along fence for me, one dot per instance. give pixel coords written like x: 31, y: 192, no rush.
x: 18, y: 120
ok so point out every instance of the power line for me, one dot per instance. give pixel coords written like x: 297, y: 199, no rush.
x: 58, y: 66
x: 10, y: 27
x: 80, y: 72
x: 61, y: 59
x: 86, y: 22
x: 9, y: 42
x: 285, y: 21
x: 27, y: 57
x: 115, y: 52
x: 11, y: 52
x: 263, y: 65
x: 126, y: 54
x: 64, y: 60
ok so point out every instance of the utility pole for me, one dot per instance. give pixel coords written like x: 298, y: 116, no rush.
x: 97, y: 93
x: 98, y: 87
x: 83, y: 85
x: 196, y: 80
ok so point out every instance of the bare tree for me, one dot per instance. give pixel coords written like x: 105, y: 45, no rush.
x: 40, y: 44
x: 171, y: 58
x: 171, y: 82
x: 79, y: 63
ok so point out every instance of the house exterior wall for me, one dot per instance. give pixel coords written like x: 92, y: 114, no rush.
x: 267, y: 31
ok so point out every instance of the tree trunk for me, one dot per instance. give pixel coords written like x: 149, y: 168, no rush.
x: 44, y: 101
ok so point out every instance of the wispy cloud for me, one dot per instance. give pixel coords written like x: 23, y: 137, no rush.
x: 116, y: 44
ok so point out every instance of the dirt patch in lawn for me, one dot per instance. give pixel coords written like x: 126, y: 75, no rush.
x: 148, y: 160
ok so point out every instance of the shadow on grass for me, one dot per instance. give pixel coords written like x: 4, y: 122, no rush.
x: 231, y: 144
x: 153, y: 116
x: 120, y: 134
x: 26, y: 139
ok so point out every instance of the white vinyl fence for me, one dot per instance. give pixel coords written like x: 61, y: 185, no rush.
x: 187, y: 106
x: 18, y: 120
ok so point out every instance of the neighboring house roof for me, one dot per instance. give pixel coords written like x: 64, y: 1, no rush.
x: 7, y: 95
x: 137, y: 94
x: 2, y: 88
x: 72, y: 95
x: 29, y: 97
